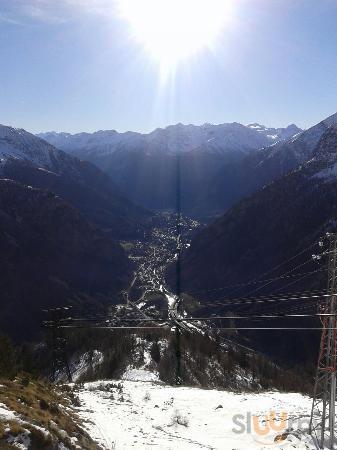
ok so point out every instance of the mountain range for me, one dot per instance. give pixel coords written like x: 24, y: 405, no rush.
x: 237, y: 180
x: 61, y: 220
x: 32, y: 161
x: 177, y: 138
x: 272, y: 202
x: 145, y: 166
x: 263, y: 245
x: 262, y: 230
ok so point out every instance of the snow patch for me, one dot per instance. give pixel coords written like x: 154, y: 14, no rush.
x: 140, y: 375
x: 6, y: 414
x: 81, y: 365
x: 144, y: 419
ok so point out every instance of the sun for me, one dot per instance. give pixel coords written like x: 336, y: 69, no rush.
x: 172, y: 31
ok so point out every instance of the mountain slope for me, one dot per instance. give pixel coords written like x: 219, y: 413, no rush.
x: 172, y: 417
x: 276, y: 134
x: 174, y: 139
x: 235, y: 181
x: 51, y: 256
x: 254, y: 238
x: 30, y: 160
x: 262, y: 230
x: 36, y: 415
x: 145, y: 166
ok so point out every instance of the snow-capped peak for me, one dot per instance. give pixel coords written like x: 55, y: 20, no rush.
x: 275, y: 134
x: 18, y: 143
x: 256, y: 126
x: 177, y: 138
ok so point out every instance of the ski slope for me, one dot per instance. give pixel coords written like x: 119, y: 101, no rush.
x: 148, y: 414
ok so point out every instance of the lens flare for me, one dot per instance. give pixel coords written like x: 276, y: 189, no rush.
x: 173, y: 30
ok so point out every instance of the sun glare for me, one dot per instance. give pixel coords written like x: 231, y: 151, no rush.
x: 173, y: 30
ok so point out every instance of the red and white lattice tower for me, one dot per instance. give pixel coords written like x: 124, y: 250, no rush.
x: 323, y: 418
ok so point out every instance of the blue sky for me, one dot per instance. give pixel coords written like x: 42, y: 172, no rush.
x: 72, y: 65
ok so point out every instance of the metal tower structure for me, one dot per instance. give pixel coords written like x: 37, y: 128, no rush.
x: 324, y: 399
x: 58, y: 343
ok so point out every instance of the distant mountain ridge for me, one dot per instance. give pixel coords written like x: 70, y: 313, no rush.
x: 257, y: 238
x: 172, y: 139
x: 276, y: 134
x: 145, y: 166
x: 293, y: 209
x: 32, y: 161
x: 240, y: 179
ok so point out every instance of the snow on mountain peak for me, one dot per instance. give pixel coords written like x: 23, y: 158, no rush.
x: 275, y: 134
x: 18, y: 143
x: 173, y: 139
x: 311, y: 137
x: 325, y: 156
x: 256, y: 126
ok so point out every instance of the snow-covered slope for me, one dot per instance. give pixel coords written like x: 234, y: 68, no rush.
x: 275, y: 134
x: 172, y: 139
x: 242, y: 178
x: 143, y: 415
x: 81, y: 143
x: 277, y: 221
x: 32, y: 161
x: 323, y: 165
x: 34, y: 415
x: 301, y: 146
x: 18, y: 143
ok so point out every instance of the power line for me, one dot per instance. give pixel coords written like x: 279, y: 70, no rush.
x: 198, y: 319
x: 293, y: 282
x: 276, y: 328
x: 263, y: 299
x: 256, y: 316
x: 113, y: 327
x: 291, y: 295
x: 238, y: 317
x: 217, y: 328
x: 282, y: 264
x: 308, y: 306
x: 257, y: 282
x: 249, y: 300
x: 296, y: 281
x: 286, y: 273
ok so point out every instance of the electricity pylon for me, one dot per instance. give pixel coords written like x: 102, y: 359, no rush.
x: 58, y: 343
x: 324, y: 399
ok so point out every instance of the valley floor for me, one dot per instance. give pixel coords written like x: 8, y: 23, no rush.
x: 148, y: 414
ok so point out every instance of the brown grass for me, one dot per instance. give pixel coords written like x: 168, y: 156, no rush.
x: 39, y: 403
